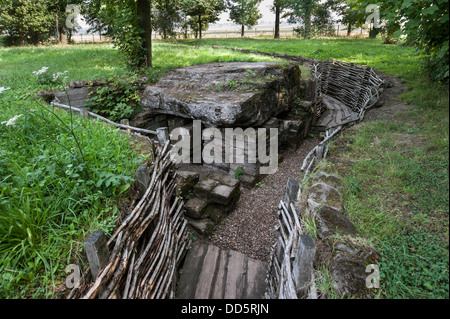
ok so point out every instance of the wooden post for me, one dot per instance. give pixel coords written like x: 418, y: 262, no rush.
x: 97, y: 252
x: 162, y: 134
x: 84, y: 112
x: 125, y: 122
x: 302, y: 267
x: 292, y: 190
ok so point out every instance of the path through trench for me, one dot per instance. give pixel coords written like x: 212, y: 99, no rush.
x: 250, y: 228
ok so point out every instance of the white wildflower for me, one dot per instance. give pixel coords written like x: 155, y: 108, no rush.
x: 3, y: 89
x: 12, y: 121
x: 58, y: 75
x: 39, y: 72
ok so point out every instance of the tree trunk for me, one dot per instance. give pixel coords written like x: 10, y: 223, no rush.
x: 21, y: 37
x: 277, y: 22
x: 57, y: 26
x: 144, y: 10
x: 242, y: 31
x: 200, y: 27
x: 36, y: 38
x: 308, y: 25
x: 62, y: 35
x: 69, y: 37
x: 349, y: 29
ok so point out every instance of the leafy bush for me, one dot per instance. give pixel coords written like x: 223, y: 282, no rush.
x: 126, y: 33
x: 425, y: 22
x: 116, y: 100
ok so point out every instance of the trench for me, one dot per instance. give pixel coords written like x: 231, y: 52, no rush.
x: 339, y: 94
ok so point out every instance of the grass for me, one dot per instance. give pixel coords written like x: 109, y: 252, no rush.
x: 60, y: 176
x: 397, y: 196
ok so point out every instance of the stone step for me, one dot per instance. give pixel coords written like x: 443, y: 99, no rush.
x: 213, y: 273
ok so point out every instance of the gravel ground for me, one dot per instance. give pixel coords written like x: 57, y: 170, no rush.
x: 250, y: 228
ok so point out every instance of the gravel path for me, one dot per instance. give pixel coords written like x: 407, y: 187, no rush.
x: 250, y: 228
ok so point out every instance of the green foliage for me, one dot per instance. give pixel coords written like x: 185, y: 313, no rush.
x: 60, y: 175
x: 202, y: 12
x: 24, y: 20
x: 425, y: 23
x: 302, y: 11
x: 244, y: 12
x: 123, y: 19
x: 167, y: 17
x: 46, y: 77
x: 56, y: 179
x: 414, y: 264
x: 116, y: 99
x: 238, y: 172
x: 322, y: 23
x: 352, y: 12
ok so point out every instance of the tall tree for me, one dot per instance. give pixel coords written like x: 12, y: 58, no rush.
x: 129, y: 23
x: 301, y: 11
x: 244, y: 12
x: 425, y: 23
x: 25, y: 21
x: 351, y: 12
x: 203, y: 11
x: 167, y: 16
x: 278, y: 7
x: 94, y: 14
x: 57, y: 8
x: 144, y: 8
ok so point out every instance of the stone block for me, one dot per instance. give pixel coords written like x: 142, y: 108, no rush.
x: 348, y: 268
x: 186, y: 181
x: 97, y: 252
x: 195, y: 207
x: 142, y: 179
x: 302, y: 265
x: 204, y: 187
x: 223, y: 194
x: 321, y: 194
x: 201, y: 226
x: 292, y: 190
x: 329, y: 222
x: 224, y: 179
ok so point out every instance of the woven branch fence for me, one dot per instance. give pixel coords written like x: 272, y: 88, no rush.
x: 147, y: 247
x: 355, y: 86
x: 358, y: 88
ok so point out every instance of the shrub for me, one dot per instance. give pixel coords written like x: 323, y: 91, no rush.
x: 116, y: 100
